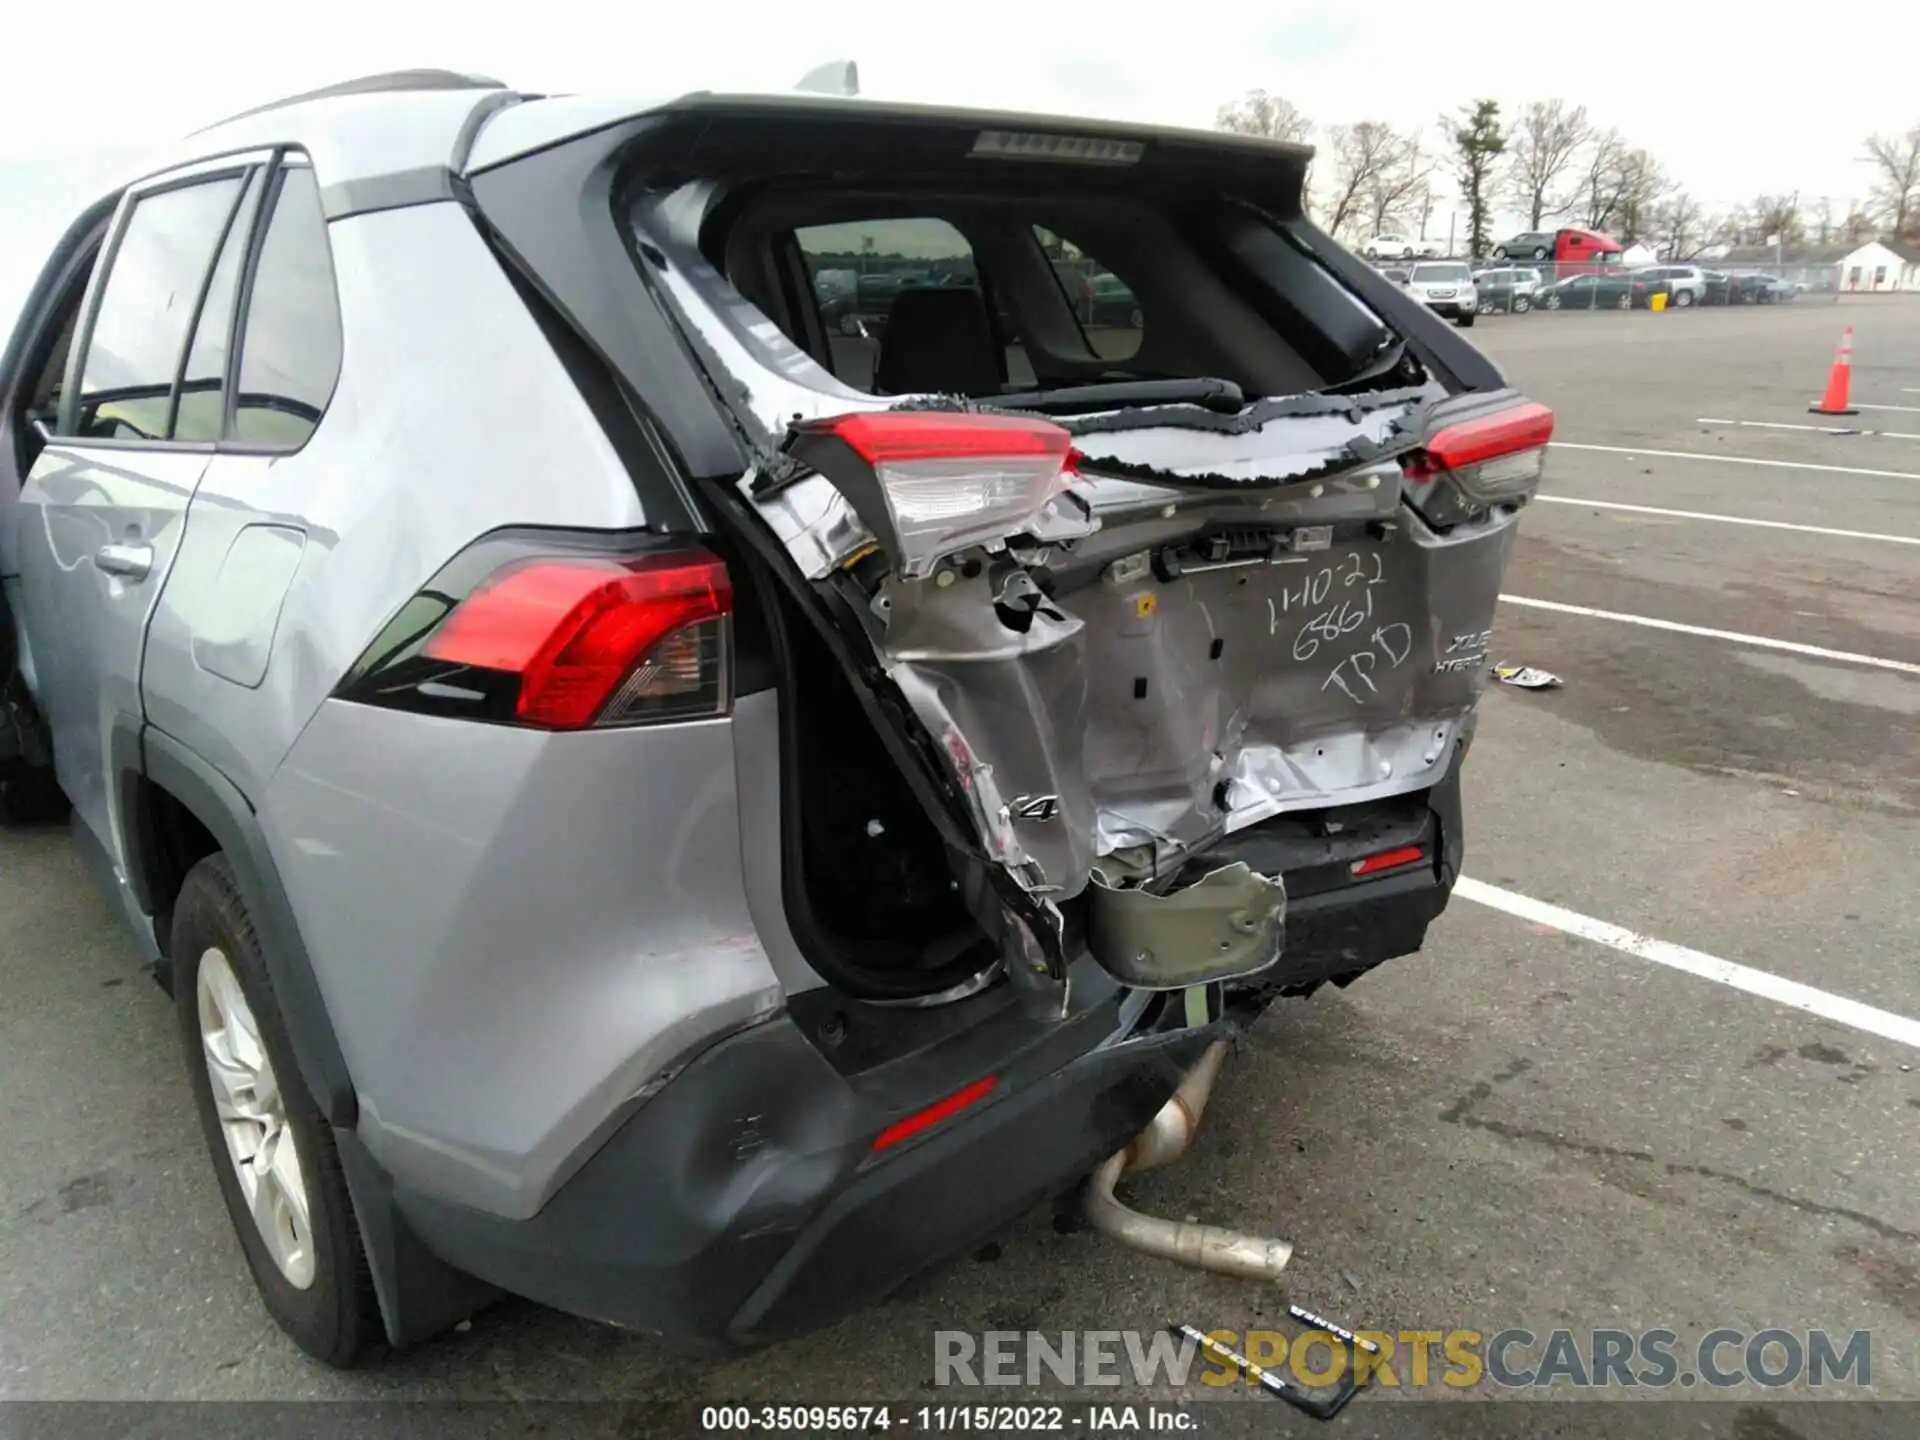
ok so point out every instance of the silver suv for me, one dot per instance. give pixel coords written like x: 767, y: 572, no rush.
x: 1447, y: 288
x: 651, y: 799
x: 1686, y: 284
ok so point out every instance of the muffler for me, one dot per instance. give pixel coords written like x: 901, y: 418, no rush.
x: 1166, y: 1138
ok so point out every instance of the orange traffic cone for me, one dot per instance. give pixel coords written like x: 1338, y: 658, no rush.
x: 1834, y: 402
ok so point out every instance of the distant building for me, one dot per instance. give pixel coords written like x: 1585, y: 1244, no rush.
x: 1798, y: 256
x: 1882, y: 265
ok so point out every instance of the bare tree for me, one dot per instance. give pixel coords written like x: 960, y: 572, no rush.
x: 1396, y: 192
x: 1771, y: 215
x: 1259, y: 113
x: 1683, y: 224
x: 1600, y: 186
x: 1363, y: 155
x: 1896, y: 189
x: 1857, y: 227
x: 1274, y: 117
x: 1641, y: 185
x: 1545, y: 147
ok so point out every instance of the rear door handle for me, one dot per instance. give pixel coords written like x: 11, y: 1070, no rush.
x: 130, y: 561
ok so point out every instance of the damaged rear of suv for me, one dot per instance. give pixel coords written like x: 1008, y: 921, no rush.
x: 1173, y: 619
x: 787, y: 673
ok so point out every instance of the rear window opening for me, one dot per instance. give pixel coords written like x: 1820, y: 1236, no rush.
x: 1018, y: 292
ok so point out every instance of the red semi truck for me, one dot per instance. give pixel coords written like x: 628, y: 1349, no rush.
x: 1570, y: 250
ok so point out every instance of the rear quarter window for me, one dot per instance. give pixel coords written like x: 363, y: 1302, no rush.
x: 291, y: 344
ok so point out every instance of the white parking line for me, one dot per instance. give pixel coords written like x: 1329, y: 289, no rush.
x: 1727, y: 519
x: 1813, y: 429
x: 1763, y: 642
x: 1737, y: 460
x: 1777, y: 988
x: 1904, y: 409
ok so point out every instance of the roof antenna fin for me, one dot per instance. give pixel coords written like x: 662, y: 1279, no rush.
x: 836, y: 77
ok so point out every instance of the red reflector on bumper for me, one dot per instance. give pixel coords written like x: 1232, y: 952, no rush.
x: 940, y: 1110
x: 1389, y: 860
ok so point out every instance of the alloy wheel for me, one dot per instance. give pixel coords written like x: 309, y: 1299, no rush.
x: 253, y: 1118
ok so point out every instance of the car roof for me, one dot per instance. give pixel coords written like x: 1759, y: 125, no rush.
x: 358, y: 133
x: 540, y: 122
x: 407, y: 127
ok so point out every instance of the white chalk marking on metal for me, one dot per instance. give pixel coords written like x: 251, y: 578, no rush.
x: 1728, y: 519
x: 1811, y: 429
x: 1738, y: 460
x: 1763, y: 642
x: 1768, y: 986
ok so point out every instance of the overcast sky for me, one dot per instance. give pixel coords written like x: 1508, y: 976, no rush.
x: 1731, y: 102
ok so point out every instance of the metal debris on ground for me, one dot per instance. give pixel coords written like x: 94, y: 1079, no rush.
x: 1527, y: 677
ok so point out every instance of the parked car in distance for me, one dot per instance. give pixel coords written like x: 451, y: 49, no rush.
x: 1687, y: 284
x: 1613, y: 290
x: 1111, y: 303
x: 588, y: 759
x: 1400, y: 247
x: 1446, y: 287
x: 1509, y: 289
x: 1755, y: 288
x: 1566, y: 247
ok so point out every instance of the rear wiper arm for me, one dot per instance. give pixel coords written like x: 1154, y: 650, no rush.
x: 1205, y: 390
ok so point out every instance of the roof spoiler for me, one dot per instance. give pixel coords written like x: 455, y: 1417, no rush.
x: 836, y: 77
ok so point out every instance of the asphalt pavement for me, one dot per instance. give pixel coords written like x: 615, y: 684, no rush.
x: 1519, y: 1127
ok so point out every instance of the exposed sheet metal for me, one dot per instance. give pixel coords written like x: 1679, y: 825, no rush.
x: 1227, y: 925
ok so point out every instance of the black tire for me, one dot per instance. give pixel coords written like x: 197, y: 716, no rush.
x: 1683, y: 300
x: 1521, y: 304
x: 32, y: 797
x: 1625, y: 302
x: 336, y: 1318
x: 1539, y: 252
x: 1552, y: 302
x: 1499, y: 252
x: 1465, y: 321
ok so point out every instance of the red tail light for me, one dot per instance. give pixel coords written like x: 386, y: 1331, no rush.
x: 936, y: 482
x: 883, y: 437
x: 1493, y: 457
x: 559, y: 641
x: 1487, y: 437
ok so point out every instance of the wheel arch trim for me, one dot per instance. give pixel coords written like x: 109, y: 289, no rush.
x: 229, y: 817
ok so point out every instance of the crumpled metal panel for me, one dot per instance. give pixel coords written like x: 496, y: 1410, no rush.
x: 1227, y: 925
x: 1167, y: 713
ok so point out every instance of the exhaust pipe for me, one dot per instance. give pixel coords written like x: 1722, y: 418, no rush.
x: 1166, y: 1138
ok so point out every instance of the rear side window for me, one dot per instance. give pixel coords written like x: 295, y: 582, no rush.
x: 860, y: 268
x: 1108, y: 315
x: 203, y: 383
x: 290, y: 352
x: 148, y: 304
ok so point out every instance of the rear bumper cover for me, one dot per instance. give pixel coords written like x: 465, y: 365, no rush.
x: 744, y: 1202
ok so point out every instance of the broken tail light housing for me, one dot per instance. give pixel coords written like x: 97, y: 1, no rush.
x: 928, y: 483
x: 1492, y: 458
x: 559, y: 633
